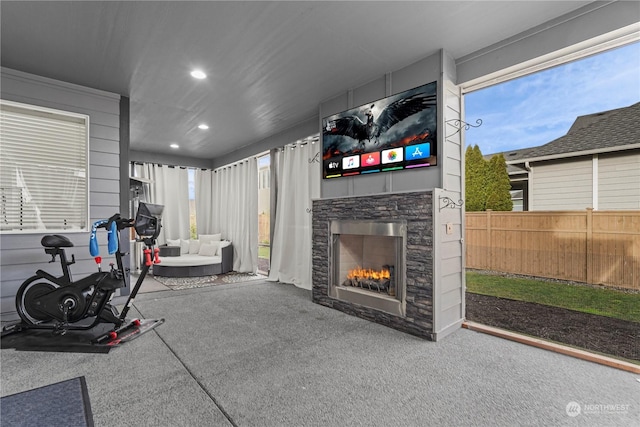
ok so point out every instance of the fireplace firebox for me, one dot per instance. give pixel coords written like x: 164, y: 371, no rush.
x: 367, y: 264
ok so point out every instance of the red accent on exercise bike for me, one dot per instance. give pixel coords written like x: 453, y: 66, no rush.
x: 156, y: 256
x: 113, y: 335
x: 136, y: 322
x: 147, y: 258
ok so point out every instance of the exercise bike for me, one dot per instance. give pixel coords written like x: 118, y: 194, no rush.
x: 61, y: 304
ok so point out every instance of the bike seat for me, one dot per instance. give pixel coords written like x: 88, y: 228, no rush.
x: 56, y: 241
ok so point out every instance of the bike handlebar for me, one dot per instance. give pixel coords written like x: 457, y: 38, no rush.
x: 121, y: 223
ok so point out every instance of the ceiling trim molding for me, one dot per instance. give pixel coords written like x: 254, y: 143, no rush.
x: 21, y: 75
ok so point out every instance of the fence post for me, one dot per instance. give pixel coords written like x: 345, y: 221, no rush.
x: 589, y: 254
x: 489, y: 244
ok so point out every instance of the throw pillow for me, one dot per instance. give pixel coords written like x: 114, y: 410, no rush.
x: 209, y: 238
x: 173, y: 242
x: 208, y: 249
x: 194, y: 246
x: 184, y: 246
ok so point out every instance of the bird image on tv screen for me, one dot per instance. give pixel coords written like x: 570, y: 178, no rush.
x: 393, y: 133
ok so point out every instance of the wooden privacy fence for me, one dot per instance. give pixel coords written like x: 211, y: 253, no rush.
x: 598, y: 247
x: 263, y: 228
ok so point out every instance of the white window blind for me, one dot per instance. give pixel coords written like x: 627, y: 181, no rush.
x: 44, y: 157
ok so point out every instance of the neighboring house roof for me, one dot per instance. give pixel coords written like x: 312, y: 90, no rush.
x: 611, y: 130
x: 516, y: 169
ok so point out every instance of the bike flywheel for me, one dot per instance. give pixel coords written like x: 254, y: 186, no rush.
x: 28, y: 309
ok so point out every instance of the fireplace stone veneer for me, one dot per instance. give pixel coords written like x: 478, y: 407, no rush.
x: 412, y: 208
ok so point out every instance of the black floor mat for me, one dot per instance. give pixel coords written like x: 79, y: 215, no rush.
x: 44, y: 340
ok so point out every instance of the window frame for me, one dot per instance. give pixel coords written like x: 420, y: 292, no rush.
x: 84, y: 120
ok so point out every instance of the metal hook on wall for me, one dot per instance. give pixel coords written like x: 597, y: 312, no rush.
x: 448, y: 203
x: 459, y: 124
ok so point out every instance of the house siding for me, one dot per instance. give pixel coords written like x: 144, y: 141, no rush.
x: 562, y: 185
x: 21, y: 254
x: 619, y: 181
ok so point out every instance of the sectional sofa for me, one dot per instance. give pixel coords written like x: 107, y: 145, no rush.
x: 206, y: 256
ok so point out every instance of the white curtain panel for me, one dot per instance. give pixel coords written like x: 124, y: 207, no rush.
x: 298, y: 182
x: 204, y: 181
x: 235, y: 211
x: 170, y: 188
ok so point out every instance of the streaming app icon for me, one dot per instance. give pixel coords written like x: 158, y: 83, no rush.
x: 351, y: 162
x: 419, y: 151
x: 370, y: 159
x: 333, y: 166
x: 393, y: 155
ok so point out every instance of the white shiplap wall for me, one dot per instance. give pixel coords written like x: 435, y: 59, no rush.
x: 21, y: 254
x: 448, y: 250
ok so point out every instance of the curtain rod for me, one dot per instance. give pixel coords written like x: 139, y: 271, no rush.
x: 234, y: 164
x: 301, y: 142
x: 135, y: 162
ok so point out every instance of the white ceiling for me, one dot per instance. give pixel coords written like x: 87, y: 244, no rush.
x: 270, y: 64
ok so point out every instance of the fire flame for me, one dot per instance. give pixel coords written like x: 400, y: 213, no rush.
x: 366, y: 273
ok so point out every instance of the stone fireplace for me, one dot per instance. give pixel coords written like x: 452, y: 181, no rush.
x: 367, y: 263
x: 373, y: 258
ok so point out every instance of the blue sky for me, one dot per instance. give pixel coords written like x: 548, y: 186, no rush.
x: 536, y: 109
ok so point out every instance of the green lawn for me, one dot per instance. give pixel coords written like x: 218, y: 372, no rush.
x: 264, y: 252
x: 605, y: 302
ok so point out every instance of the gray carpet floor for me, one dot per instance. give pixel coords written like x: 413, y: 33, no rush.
x: 262, y: 354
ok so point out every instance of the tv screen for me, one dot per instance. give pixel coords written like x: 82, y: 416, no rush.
x: 394, y: 133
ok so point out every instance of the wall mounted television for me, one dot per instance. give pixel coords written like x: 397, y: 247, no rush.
x: 394, y: 133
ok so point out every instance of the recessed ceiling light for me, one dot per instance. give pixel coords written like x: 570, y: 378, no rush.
x: 174, y: 146
x: 203, y: 126
x: 198, y: 74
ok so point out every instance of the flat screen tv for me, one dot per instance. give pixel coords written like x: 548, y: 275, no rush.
x: 394, y: 133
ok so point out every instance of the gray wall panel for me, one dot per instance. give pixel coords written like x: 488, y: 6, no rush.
x: 424, y: 71
x: 98, y: 212
x: 22, y: 254
x: 104, y: 172
x: 104, y: 132
x: 370, y: 92
x: 106, y: 119
x: 362, y: 184
x: 104, y: 185
x: 305, y: 129
x: 334, y: 105
x: 104, y: 159
x: 106, y: 199
x: 99, y: 145
x: 415, y: 179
